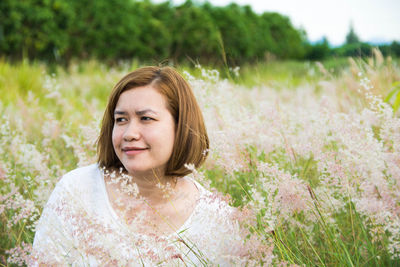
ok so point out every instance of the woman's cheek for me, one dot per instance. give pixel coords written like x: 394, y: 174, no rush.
x: 115, y: 138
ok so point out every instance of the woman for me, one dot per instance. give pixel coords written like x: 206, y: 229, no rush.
x: 137, y: 206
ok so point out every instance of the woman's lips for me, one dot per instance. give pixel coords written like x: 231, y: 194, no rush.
x: 133, y: 150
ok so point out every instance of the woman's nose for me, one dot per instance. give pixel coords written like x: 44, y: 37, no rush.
x: 132, y: 132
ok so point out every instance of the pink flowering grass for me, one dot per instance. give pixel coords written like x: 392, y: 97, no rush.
x: 314, y: 166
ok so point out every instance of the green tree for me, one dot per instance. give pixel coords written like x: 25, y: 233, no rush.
x: 34, y: 28
x: 103, y: 29
x: 240, y: 31
x: 56, y: 30
x: 194, y: 33
x: 353, y: 50
x: 351, y: 37
x: 287, y: 42
x: 319, y: 51
x: 154, y: 21
x: 392, y: 49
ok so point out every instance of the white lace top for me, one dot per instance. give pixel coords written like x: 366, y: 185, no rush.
x: 79, y: 227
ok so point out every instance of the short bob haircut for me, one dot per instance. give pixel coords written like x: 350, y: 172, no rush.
x: 191, y: 140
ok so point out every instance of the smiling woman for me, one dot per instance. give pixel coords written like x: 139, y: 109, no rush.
x: 137, y: 206
x: 144, y: 132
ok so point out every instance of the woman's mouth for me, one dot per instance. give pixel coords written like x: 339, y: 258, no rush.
x: 133, y: 150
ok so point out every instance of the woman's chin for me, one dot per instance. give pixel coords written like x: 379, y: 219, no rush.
x: 143, y: 172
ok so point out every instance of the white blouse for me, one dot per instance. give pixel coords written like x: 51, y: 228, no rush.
x: 79, y: 227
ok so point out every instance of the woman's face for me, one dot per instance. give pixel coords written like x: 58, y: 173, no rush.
x: 144, y: 131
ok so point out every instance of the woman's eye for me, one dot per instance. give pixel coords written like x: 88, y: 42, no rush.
x: 120, y: 120
x: 144, y: 118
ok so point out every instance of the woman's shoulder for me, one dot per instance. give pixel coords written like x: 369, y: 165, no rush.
x: 67, y: 210
x: 79, y: 189
x: 214, y: 227
x: 213, y: 200
x: 82, y: 176
x: 84, y: 183
x: 86, y: 171
x: 216, y: 206
x: 213, y: 207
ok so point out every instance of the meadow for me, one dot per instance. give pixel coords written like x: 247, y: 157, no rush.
x: 309, y: 152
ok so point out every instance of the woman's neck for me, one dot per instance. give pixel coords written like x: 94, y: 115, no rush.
x: 154, y: 186
x: 157, y: 189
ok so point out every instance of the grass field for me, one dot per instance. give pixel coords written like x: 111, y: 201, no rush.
x: 309, y: 151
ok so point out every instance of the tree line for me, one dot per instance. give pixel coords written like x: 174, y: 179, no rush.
x: 353, y: 47
x: 112, y: 30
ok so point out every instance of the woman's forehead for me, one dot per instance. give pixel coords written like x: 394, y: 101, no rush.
x: 142, y: 98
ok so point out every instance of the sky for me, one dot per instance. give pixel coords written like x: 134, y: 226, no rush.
x: 373, y: 21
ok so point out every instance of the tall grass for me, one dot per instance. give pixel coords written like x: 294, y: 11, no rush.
x: 310, y: 153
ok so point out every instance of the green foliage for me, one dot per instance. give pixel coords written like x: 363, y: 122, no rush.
x: 364, y: 50
x: 351, y: 37
x: 395, y: 95
x: 353, y: 50
x: 153, y: 39
x: 61, y: 31
x: 97, y: 32
x: 58, y: 31
x: 318, y: 51
x: 288, y: 42
x: 194, y: 33
x: 390, y: 50
x: 278, y: 74
x: 34, y: 28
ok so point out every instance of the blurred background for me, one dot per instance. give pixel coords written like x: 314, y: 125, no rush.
x: 214, y: 33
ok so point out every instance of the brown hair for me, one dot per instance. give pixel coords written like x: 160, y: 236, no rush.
x: 191, y: 140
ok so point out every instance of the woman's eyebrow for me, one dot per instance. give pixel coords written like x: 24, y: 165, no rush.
x: 138, y: 112
x: 144, y: 111
x: 118, y: 112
